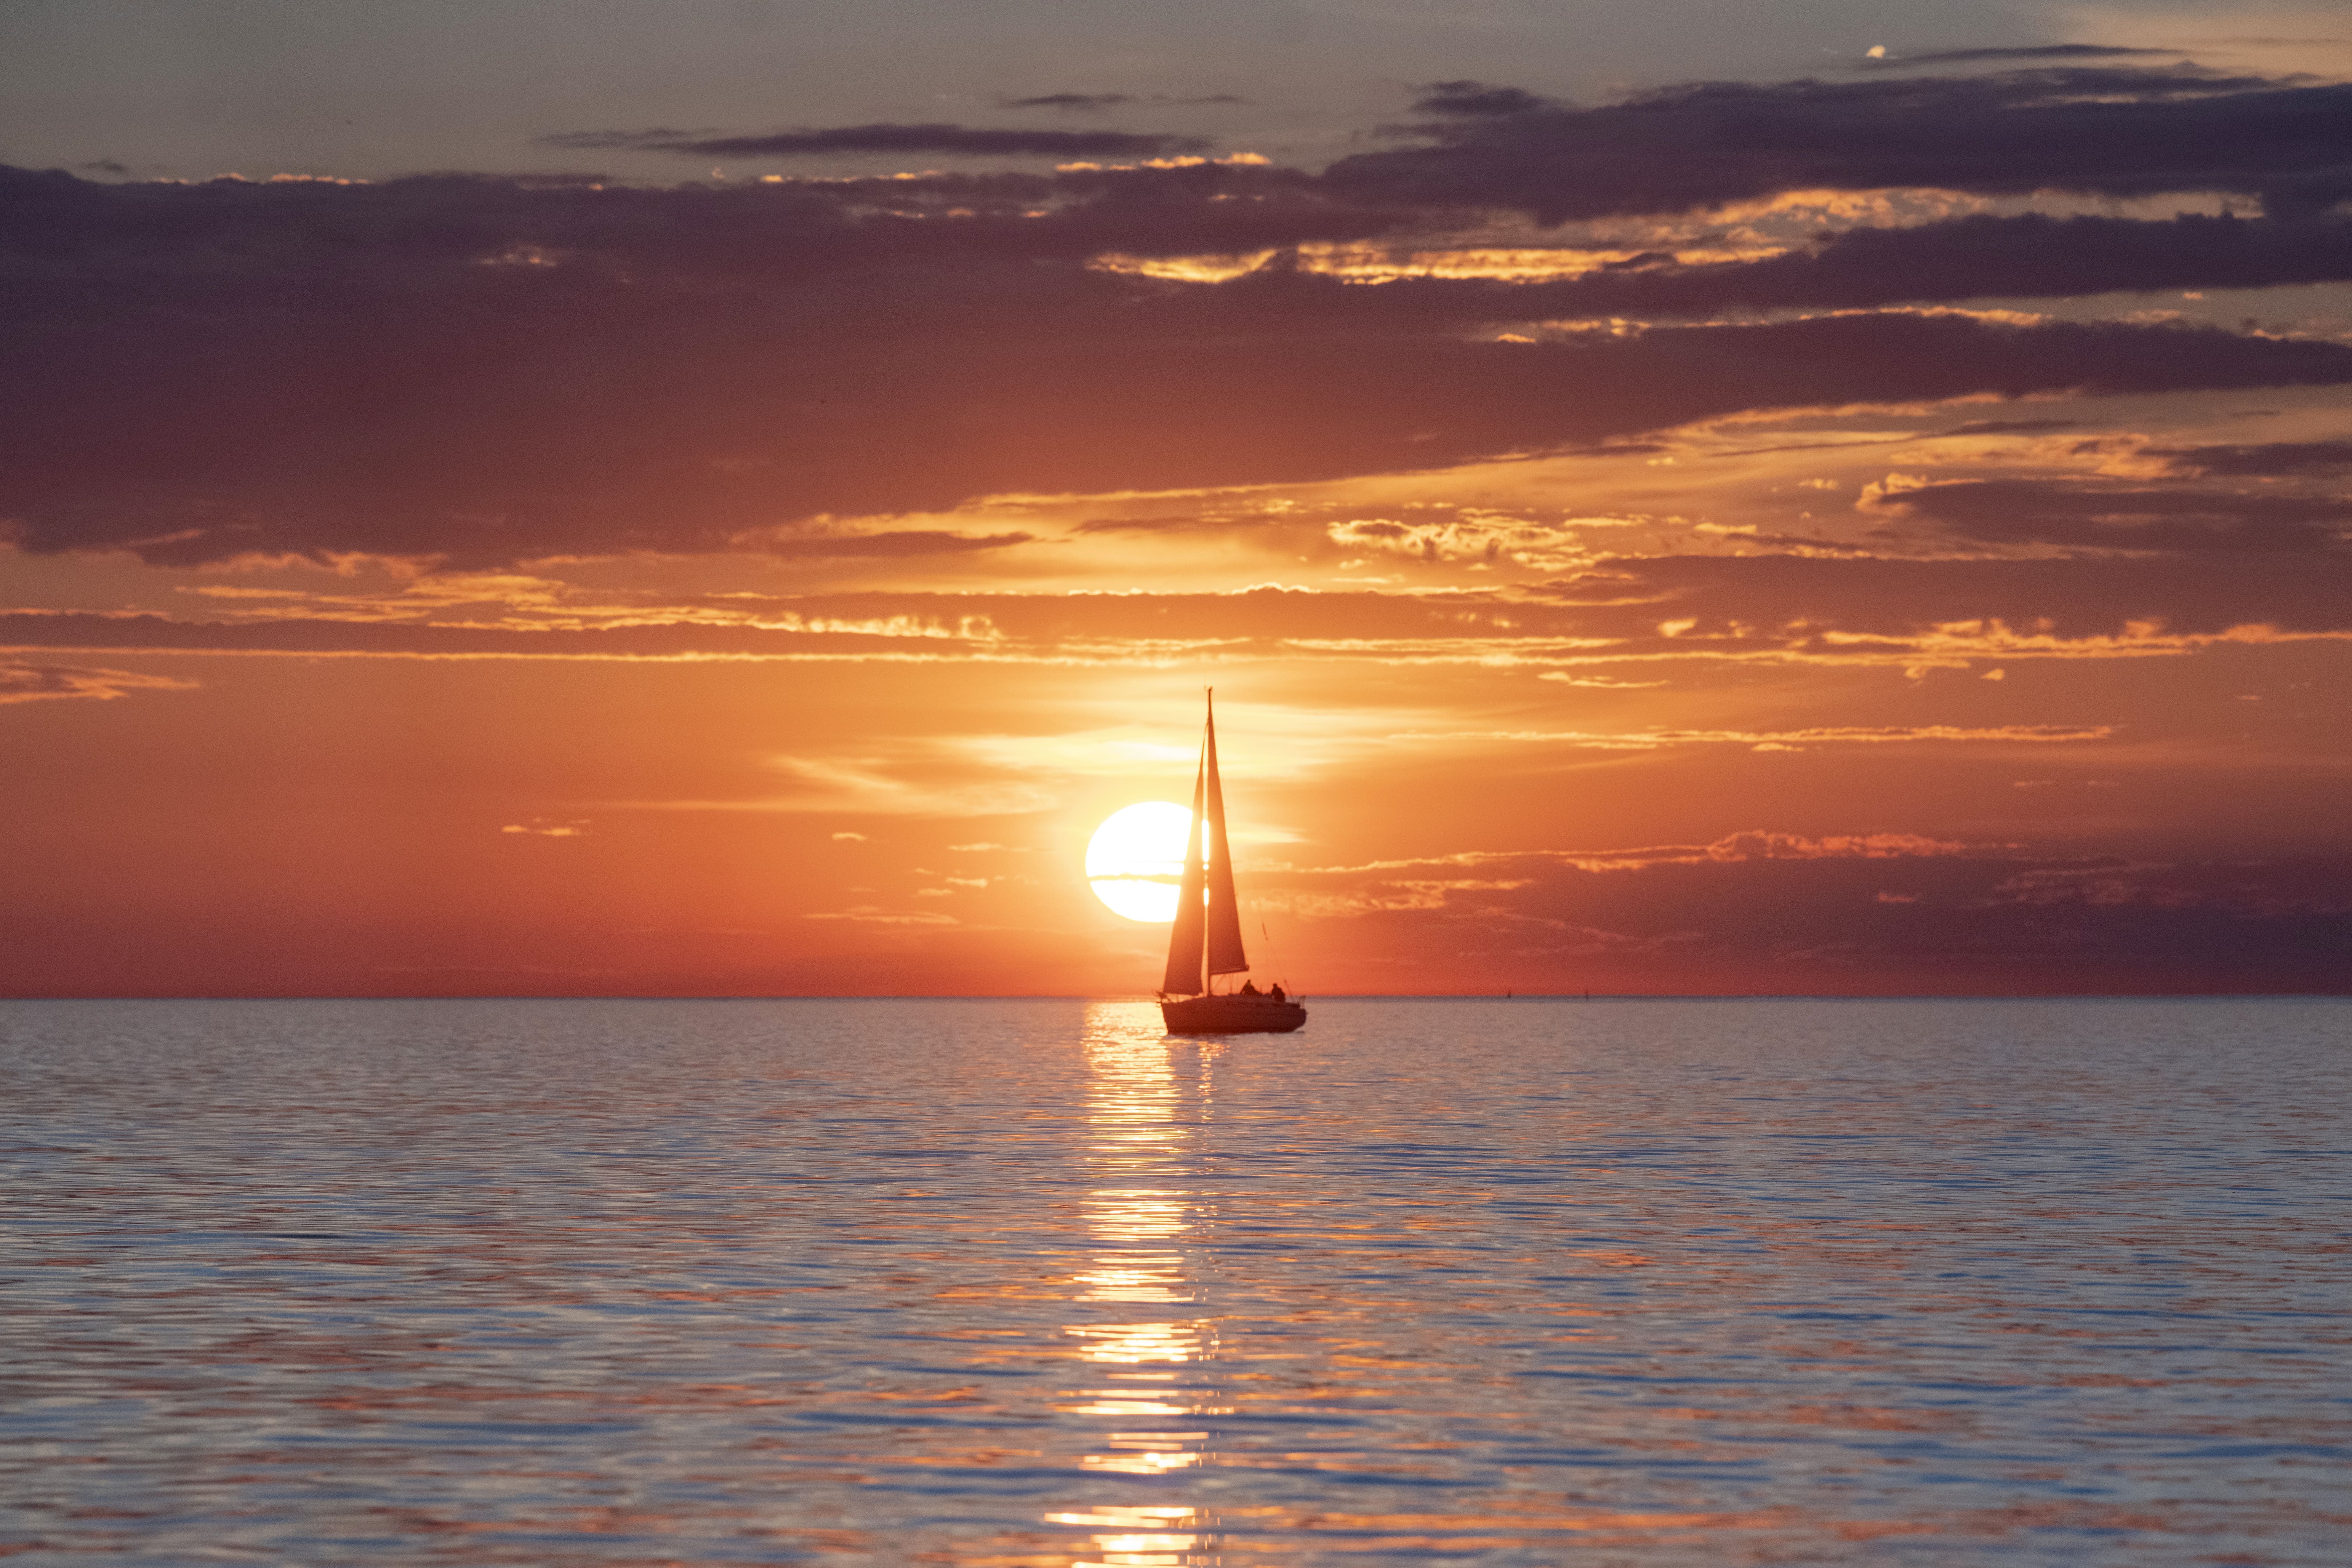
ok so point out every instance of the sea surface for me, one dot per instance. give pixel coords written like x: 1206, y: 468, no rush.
x: 1019, y: 1283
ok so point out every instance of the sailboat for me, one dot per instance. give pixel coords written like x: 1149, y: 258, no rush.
x: 1206, y: 942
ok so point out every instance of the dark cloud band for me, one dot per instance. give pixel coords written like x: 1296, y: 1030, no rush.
x: 2114, y: 133
x: 477, y: 370
x: 516, y: 424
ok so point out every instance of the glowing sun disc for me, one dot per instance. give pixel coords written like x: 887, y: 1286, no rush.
x: 1136, y: 858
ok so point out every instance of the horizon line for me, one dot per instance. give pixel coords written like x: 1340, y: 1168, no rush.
x: 1327, y: 996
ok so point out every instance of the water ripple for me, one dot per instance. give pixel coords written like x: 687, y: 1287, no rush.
x: 1031, y: 1285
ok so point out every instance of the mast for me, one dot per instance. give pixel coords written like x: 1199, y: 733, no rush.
x: 1225, y: 912
x: 1184, y: 976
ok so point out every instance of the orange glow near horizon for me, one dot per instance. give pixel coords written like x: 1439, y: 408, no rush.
x: 1408, y: 816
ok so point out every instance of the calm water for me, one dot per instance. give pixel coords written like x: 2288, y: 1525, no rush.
x: 1027, y: 1283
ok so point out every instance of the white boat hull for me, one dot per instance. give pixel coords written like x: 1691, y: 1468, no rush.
x: 1232, y: 1015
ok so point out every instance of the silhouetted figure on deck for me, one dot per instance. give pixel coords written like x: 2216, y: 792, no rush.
x: 1249, y: 988
x: 1276, y: 992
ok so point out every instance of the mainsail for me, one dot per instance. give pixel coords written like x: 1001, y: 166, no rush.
x: 1225, y: 955
x: 1184, y: 978
x: 1205, y: 937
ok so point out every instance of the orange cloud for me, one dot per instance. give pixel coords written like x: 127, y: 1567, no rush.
x: 51, y: 682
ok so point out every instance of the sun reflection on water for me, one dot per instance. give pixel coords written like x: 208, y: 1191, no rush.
x: 1147, y: 1099
x: 1139, y: 1537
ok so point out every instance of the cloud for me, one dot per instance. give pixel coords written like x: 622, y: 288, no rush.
x: 1754, y: 844
x: 2011, y: 427
x: 1977, y: 257
x: 1620, y: 619
x: 965, y: 140
x: 47, y: 682
x: 900, y: 544
x: 1089, y: 102
x: 2022, y: 52
x: 868, y: 914
x: 1759, y: 845
x: 2274, y: 459
x: 1161, y: 524
x: 1466, y: 537
x: 1980, y: 257
x: 2089, y: 129
x: 2107, y: 515
x: 1076, y: 100
x: 1479, y: 100
x: 2088, y: 606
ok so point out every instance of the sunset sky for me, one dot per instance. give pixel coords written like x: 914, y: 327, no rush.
x: 722, y: 497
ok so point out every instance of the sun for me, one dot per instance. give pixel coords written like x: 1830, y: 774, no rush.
x: 1136, y: 858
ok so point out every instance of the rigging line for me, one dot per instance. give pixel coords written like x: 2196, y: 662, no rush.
x: 1281, y: 973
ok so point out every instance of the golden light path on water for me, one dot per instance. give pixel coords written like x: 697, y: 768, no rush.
x: 1144, y: 1125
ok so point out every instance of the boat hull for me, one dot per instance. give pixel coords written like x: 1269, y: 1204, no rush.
x: 1232, y: 1015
